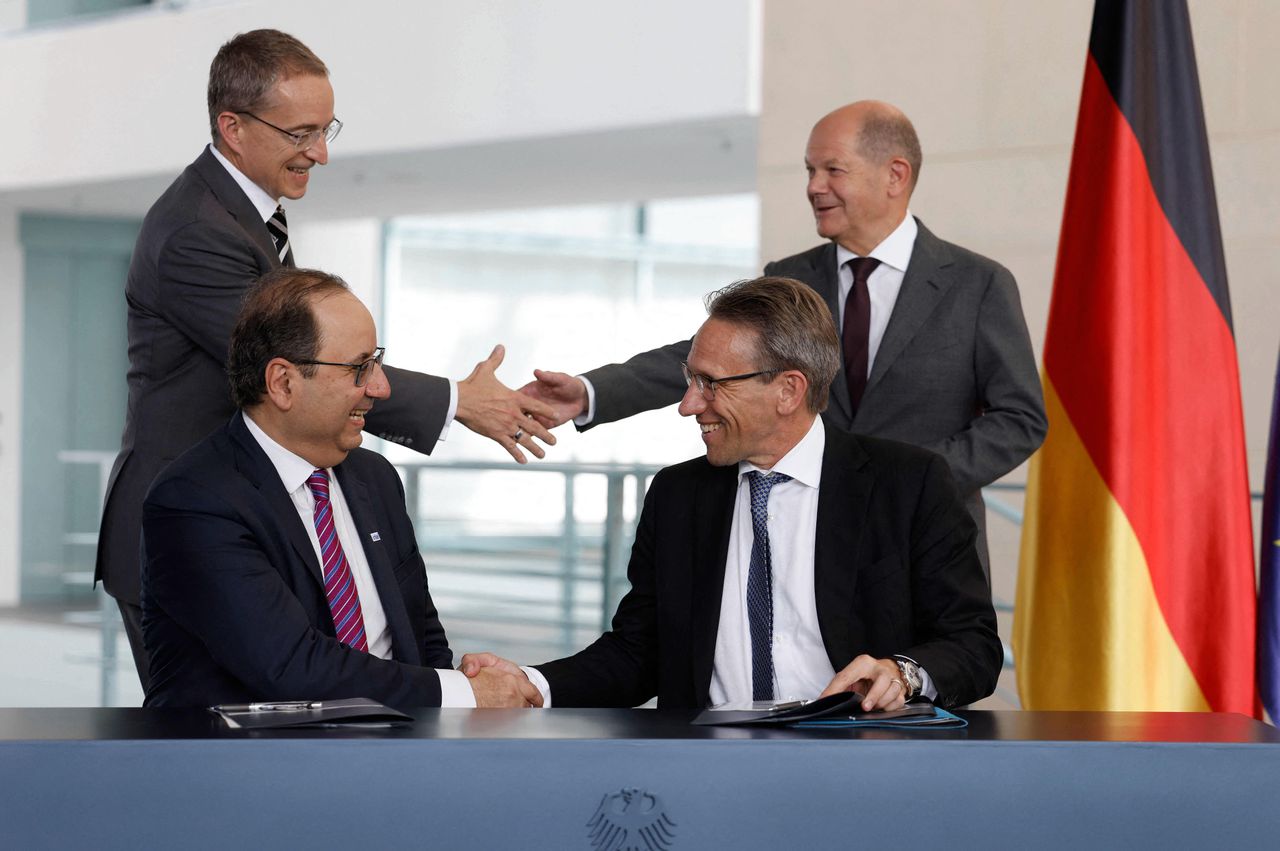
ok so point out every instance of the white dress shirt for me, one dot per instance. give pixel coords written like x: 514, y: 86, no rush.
x: 294, y: 471
x: 801, y: 669
x: 884, y: 283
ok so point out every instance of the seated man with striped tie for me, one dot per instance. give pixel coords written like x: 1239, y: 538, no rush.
x: 795, y: 559
x: 278, y: 558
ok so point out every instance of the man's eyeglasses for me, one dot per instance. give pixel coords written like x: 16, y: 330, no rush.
x: 707, y: 385
x: 361, y: 370
x: 302, y: 141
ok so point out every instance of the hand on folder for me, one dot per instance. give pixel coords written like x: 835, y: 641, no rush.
x: 878, y: 679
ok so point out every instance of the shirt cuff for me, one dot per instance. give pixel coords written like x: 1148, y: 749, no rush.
x: 540, y: 683
x: 455, y: 690
x: 453, y: 410
x: 927, y: 687
x: 585, y: 418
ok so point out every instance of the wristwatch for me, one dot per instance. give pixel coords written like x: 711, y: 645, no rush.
x: 911, y: 676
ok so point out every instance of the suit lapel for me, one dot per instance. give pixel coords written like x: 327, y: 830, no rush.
x: 843, y: 499
x: 826, y: 281
x: 403, y: 645
x: 232, y: 197
x: 923, y: 286
x: 713, y: 502
x: 255, y: 466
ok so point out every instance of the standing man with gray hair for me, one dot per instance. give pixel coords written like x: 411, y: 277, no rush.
x: 795, y: 559
x: 214, y: 231
x: 935, y: 350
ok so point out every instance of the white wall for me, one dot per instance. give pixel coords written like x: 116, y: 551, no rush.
x: 126, y: 96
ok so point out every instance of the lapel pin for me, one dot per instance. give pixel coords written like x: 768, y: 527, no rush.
x: 374, y: 536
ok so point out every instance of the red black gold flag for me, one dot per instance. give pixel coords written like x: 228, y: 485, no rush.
x: 1136, y: 585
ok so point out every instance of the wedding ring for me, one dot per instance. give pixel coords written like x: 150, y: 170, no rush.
x: 900, y: 684
x: 519, y: 434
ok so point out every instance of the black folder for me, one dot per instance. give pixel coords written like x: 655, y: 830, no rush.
x: 270, y: 715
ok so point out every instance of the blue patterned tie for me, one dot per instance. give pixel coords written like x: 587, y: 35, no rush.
x: 760, y: 585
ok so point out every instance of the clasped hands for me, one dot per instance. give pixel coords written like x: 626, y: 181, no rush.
x: 498, y: 682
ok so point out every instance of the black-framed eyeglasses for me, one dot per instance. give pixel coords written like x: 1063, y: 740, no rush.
x: 361, y: 370
x: 707, y: 385
x: 302, y: 141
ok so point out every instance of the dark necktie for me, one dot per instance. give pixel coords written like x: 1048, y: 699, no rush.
x: 278, y: 227
x: 760, y: 585
x: 856, y: 333
x: 339, y: 586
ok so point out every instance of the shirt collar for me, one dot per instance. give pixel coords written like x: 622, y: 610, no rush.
x: 294, y: 470
x: 262, y: 202
x: 803, y: 463
x: 894, y: 250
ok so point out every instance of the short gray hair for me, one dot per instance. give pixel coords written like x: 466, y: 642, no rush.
x: 245, y: 71
x: 794, y: 330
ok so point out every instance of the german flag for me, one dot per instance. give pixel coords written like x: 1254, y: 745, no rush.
x: 1136, y: 585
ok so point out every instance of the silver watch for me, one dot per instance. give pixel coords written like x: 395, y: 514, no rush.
x: 911, y: 676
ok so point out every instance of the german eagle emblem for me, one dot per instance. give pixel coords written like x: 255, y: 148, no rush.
x: 631, y: 820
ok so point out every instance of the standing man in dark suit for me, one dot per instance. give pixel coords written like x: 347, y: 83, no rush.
x: 279, y: 562
x: 935, y: 347
x: 795, y: 558
x: 214, y: 231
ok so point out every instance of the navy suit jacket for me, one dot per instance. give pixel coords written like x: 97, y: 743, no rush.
x: 201, y: 246
x: 895, y: 572
x: 233, y: 603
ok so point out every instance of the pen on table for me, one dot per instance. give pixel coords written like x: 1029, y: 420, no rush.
x: 276, y: 706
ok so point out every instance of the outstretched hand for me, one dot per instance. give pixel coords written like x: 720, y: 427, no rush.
x: 565, y: 394
x: 509, y: 418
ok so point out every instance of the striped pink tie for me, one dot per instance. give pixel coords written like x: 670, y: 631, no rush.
x: 339, y: 587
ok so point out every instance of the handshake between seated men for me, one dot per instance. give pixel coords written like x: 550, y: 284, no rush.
x: 279, y: 561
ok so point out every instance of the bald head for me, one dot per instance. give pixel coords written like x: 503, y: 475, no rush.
x: 879, y: 132
x: 862, y: 161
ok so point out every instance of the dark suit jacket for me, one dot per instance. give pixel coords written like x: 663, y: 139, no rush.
x: 201, y: 245
x: 233, y: 603
x: 894, y: 567
x: 955, y: 372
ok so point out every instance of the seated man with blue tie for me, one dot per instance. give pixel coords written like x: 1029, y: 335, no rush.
x: 795, y: 559
x: 279, y: 562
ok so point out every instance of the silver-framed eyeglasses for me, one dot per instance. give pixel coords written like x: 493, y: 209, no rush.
x: 707, y: 385
x: 360, y: 370
x: 302, y: 141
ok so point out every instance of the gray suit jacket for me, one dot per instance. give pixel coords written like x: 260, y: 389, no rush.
x: 201, y: 246
x: 955, y: 372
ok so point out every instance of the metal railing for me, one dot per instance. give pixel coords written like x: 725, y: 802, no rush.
x: 530, y: 589
x: 533, y: 589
